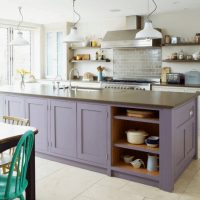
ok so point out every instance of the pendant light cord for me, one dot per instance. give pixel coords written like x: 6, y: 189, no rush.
x: 79, y: 17
x: 148, y: 16
x: 22, y: 18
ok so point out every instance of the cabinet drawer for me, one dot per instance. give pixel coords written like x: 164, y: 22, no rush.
x: 185, y: 113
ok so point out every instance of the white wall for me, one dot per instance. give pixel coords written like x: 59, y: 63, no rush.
x: 97, y: 28
x: 183, y: 23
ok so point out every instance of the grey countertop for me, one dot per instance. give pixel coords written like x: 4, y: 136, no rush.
x: 111, y: 96
x: 175, y: 85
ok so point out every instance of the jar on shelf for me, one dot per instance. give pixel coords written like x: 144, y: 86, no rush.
x: 174, y: 56
x: 197, y: 38
x: 181, y: 55
x: 99, y: 41
x: 167, y: 39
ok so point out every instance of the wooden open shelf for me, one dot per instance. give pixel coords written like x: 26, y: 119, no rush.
x: 120, y: 147
x: 140, y: 147
x: 182, y: 44
x: 137, y: 119
x: 125, y: 168
x: 87, y: 47
x: 83, y: 61
x: 181, y: 61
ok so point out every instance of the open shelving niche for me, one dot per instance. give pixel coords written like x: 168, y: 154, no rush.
x: 72, y: 50
x: 120, y: 146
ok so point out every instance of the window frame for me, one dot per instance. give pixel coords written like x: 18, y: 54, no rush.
x: 50, y: 77
x: 10, y: 59
x: 12, y: 50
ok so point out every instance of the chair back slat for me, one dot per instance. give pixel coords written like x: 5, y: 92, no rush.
x: 16, y: 120
x: 21, y: 159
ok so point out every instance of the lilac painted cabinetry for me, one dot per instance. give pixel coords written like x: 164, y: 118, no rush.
x: 36, y: 110
x: 63, y: 128
x: 14, y: 106
x: 92, y: 127
x: 84, y: 133
x: 67, y: 129
x: 2, y: 106
x: 184, y: 137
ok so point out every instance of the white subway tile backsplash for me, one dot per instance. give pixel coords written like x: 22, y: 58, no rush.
x: 137, y: 63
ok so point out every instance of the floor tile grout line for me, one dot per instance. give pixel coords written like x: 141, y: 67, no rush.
x: 54, y: 172
x: 125, y: 184
x: 87, y: 188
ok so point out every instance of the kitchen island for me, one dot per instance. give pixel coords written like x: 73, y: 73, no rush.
x: 86, y: 128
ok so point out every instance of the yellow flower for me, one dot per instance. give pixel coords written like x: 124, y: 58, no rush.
x: 100, y: 69
x: 22, y: 71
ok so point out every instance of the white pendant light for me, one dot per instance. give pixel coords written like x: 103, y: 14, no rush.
x: 149, y: 32
x: 73, y: 36
x: 19, y: 40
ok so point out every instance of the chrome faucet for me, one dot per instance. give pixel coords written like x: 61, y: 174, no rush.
x: 70, y: 75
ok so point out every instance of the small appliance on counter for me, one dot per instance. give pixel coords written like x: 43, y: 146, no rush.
x: 175, y: 78
x: 192, y: 78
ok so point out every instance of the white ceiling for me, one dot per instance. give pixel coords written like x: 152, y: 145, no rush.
x: 49, y: 11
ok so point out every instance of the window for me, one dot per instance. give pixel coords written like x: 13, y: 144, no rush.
x: 22, y: 54
x: 3, y: 55
x: 13, y: 57
x: 54, y: 55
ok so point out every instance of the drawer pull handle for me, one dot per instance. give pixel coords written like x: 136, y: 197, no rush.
x: 191, y: 113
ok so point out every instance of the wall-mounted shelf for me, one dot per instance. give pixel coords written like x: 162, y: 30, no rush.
x: 142, y: 147
x: 181, y: 44
x: 147, y: 120
x: 181, y: 61
x: 87, y: 47
x: 141, y: 172
x: 84, y: 61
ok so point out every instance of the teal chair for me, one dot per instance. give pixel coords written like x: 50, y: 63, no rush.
x: 14, y: 184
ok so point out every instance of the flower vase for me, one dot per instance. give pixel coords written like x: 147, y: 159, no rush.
x: 100, y: 76
x: 22, y: 81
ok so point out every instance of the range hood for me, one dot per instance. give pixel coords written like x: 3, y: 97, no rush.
x: 126, y: 38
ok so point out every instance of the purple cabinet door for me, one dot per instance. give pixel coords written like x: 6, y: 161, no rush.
x: 185, y: 145
x: 15, y: 106
x: 63, y: 128
x: 37, y: 113
x: 2, y: 106
x: 92, y: 126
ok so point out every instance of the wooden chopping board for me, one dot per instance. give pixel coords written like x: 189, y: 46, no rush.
x: 140, y: 113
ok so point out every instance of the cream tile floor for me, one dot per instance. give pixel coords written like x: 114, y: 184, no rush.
x: 55, y: 181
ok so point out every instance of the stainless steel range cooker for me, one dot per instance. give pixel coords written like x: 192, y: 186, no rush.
x: 128, y: 84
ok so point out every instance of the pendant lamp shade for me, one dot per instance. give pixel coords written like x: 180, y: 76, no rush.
x: 19, y: 40
x: 73, y: 36
x: 148, y: 32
